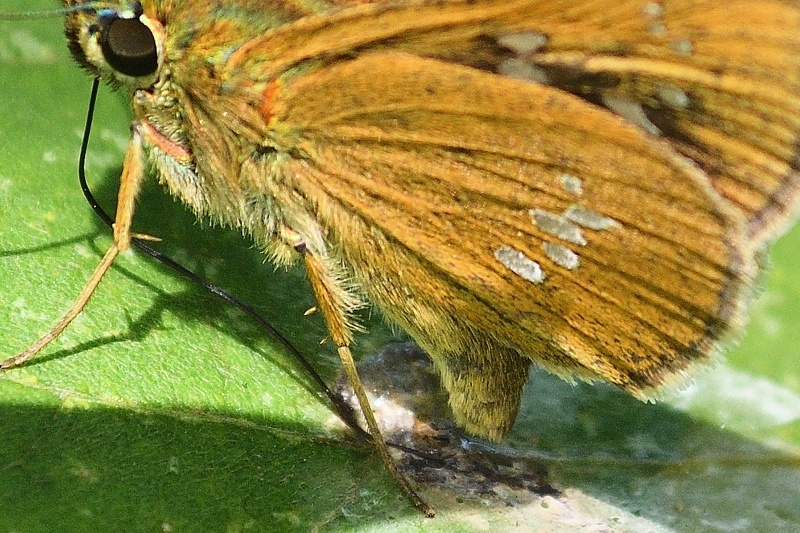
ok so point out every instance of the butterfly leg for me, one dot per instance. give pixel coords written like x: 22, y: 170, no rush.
x: 132, y: 173
x: 328, y: 294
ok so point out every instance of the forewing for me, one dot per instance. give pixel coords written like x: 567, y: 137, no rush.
x: 718, y: 81
x: 575, y: 228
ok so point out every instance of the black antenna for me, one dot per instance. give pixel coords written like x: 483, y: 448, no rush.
x: 344, y: 411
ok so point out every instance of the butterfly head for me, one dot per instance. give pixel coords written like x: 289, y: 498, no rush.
x: 116, y: 42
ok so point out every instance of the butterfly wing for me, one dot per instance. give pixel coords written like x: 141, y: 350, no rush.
x: 466, y: 204
x: 720, y: 82
x: 579, y: 185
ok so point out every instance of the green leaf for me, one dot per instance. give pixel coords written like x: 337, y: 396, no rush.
x: 161, y: 407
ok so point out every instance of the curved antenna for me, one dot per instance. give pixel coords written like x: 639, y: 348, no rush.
x: 50, y: 13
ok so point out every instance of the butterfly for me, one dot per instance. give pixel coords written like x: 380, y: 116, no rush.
x: 587, y: 186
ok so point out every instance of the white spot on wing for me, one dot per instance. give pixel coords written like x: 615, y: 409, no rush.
x: 653, y: 9
x: 521, y: 70
x: 520, y: 264
x: 654, y: 12
x: 572, y: 184
x: 683, y: 47
x: 673, y: 97
x: 557, y: 226
x: 589, y: 219
x: 631, y: 111
x: 523, y: 43
x: 561, y: 255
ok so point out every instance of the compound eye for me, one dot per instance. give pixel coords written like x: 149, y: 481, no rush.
x: 129, y: 47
